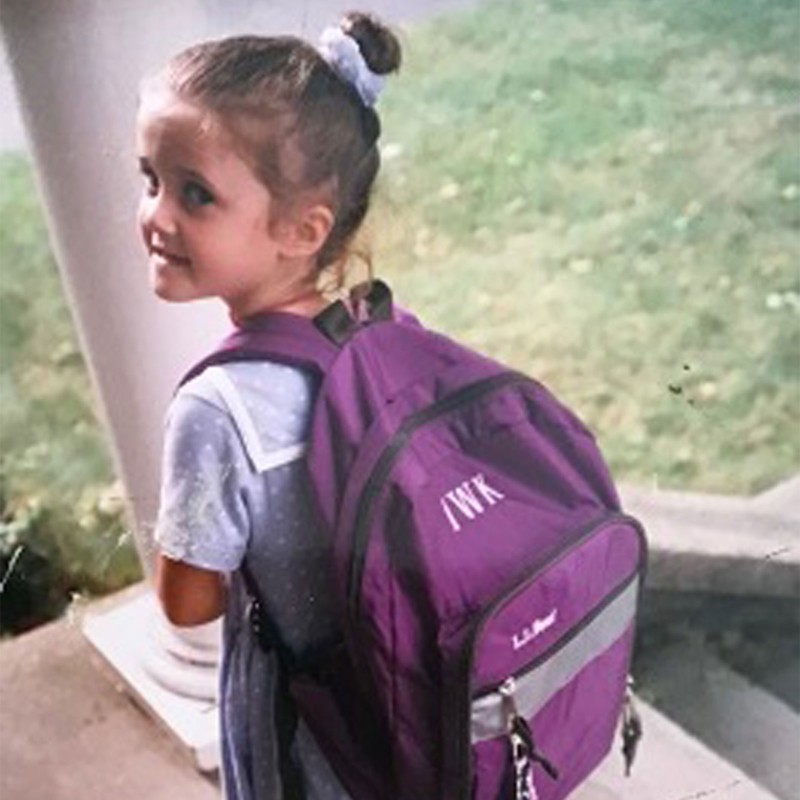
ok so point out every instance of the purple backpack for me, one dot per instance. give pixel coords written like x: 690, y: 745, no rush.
x: 487, y: 579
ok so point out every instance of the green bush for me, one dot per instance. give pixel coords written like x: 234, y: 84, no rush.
x: 62, y: 532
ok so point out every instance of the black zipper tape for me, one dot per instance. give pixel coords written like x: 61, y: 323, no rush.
x: 386, y: 462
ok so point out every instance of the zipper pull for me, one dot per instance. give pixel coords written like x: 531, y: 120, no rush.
x: 523, y: 730
x: 631, y: 727
x: 506, y: 690
x: 520, y: 750
x: 524, y: 752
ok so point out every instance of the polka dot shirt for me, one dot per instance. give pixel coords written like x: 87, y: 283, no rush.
x: 233, y: 487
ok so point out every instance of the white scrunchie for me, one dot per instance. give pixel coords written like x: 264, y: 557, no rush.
x: 344, y: 55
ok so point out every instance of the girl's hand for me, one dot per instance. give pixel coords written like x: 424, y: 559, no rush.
x: 189, y: 595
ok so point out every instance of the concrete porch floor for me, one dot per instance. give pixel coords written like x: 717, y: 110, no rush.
x: 70, y: 731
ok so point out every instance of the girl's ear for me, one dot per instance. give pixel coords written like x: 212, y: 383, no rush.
x: 306, y: 233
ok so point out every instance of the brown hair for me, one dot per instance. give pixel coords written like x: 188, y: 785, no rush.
x: 303, y: 128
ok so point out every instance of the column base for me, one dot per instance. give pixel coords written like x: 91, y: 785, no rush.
x: 124, y: 637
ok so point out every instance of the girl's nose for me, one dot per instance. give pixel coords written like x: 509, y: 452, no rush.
x: 156, y: 215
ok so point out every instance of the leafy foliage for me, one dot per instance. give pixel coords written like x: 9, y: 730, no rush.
x: 62, y: 528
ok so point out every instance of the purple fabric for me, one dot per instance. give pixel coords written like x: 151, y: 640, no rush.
x: 574, y: 586
x: 490, y: 514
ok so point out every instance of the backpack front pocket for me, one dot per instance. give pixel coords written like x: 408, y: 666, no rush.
x: 544, y: 673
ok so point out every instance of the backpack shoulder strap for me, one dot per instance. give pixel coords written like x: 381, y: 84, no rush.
x: 299, y: 341
x: 285, y: 338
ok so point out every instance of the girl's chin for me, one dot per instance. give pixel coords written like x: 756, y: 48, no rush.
x: 170, y: 290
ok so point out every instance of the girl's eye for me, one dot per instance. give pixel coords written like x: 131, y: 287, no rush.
x: 150, y: 183
x: 196, y: 195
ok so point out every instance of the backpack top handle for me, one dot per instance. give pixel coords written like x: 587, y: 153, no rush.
x: 298, y: 341
x: 368, y: 302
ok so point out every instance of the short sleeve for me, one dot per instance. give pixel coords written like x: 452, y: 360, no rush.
x: 202, y: 517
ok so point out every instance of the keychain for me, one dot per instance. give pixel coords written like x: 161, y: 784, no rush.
x: 524, y: 752
x: 523, y: 774
x: 631, y: 728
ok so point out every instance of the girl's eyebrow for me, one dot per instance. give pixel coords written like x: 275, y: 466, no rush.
x: 197, y: 176
x: 187, y: 172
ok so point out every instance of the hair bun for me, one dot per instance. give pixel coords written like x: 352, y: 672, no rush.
x: 379, y: 46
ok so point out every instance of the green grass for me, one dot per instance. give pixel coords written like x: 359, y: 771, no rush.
x: 606, y: 195
x: 62, y: 527
x: 602, y: 194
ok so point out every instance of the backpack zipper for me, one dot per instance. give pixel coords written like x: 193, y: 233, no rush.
x: 386, y: 462
x: 463, y: 720
x: 524, y: 752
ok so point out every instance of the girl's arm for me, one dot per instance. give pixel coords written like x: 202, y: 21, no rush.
x: 203, y: 521
x: 189, y: 595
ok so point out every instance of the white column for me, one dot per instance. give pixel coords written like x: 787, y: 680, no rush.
x: 76, y: 66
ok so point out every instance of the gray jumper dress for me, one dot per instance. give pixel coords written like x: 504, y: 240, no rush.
x: 233, y: 487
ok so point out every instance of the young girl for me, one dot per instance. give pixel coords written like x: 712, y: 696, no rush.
x: 259, y: 155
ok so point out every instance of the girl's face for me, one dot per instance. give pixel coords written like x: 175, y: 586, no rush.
x: 205, y: 217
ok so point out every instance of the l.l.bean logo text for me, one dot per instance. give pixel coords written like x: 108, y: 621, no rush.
x: 536, y: 628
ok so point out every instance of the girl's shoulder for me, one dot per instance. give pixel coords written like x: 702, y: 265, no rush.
x: 258, y: 378
x: 268, y: 404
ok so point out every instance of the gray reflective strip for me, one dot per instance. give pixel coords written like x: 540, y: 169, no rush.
x: 535, y: 688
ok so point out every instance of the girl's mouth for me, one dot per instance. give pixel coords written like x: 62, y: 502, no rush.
x: 165, y: 258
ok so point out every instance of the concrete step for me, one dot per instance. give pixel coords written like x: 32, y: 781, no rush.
x: 725, y: 545
x: 669, y: 765
x: 783, y: 499
x: 61, y: 708
x: 752, y: 729
x: 69, y: 731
